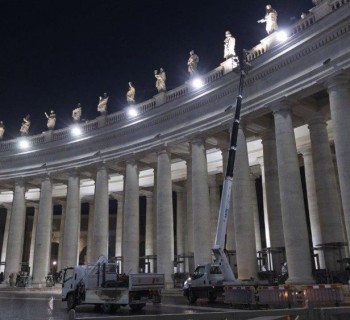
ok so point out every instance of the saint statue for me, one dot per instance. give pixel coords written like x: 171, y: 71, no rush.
x: 51, y: 120
x: 2, y: 130
x: 102, y: 104
x: 229, y: 46
x: 192, y: 63
x: 130, y: 95
x: 161, y: 78
x: 25, y: 125
x: 76, y: 113
x: 270, y: 19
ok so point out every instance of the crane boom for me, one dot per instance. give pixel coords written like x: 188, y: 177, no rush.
x: 218, y: 248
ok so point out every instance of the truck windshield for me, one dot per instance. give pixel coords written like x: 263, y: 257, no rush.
x: 199, y: 272
x: 68, y: 274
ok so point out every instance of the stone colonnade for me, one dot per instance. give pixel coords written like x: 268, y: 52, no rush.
x: 285, y: 218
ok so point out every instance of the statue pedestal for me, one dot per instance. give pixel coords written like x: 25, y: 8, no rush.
x: 47, y: 135
x: 101, y: 121
x: 229, y: 65
x: 160, y: 98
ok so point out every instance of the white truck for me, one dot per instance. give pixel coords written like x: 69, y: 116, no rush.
x: 102, y: 285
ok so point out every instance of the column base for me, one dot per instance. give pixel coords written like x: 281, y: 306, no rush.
x: 38, y: 285
x: 300, y: 281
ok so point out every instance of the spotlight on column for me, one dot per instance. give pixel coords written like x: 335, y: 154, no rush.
x: 197, y: 83
x: 282, y: 36
x: 76, y: 131
x: 132, y: 112
x: 23, y: 143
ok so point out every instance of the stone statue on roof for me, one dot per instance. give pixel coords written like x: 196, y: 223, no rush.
x: 24, y: 130
x: 102, y: 104
x: 192, y: 63
x: 270, y: 19
x: 2, y: 130
x: 76, y: 113
x: 161, y: 79
x: 229, y: 46
x: 130, y: 95
x: 51, y: 120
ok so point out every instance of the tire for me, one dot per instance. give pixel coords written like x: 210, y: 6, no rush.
x: 108, y: 307
x: 192, y: 298
x: 211, y: 296
x: 71, y: 302
x: 137, y: 307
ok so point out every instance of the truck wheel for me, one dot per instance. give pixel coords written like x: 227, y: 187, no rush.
x: 137, y: 307
x: 192, y: 298
x: 71, y: 302
x: 211, y: 296
x: 107, y: 307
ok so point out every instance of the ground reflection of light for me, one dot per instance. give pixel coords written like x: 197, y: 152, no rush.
x: 50, y: 306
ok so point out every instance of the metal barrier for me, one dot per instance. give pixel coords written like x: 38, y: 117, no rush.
x: 324, y: 294
x: 239, y: 295
x: 278, y: 296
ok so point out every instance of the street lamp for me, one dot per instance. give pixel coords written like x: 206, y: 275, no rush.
x: 132, y: 112
x: 76, y: 131
x: 282, y: 36
x: 23, y: 143
x: 197, y: 83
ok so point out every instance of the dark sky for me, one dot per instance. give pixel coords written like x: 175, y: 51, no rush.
x: 55, y: 54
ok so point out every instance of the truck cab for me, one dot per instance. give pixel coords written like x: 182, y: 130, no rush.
x: 205, y: 282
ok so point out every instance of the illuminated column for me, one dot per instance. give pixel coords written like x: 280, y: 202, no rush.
x: 247, y: 265
x: 150, y: 229
x: 189, y: 265
x: 200, y: 203
x: 315, y: 223
x: 292, y: 202
x: 272, y: 201
x: 119, y: 228
x: 180, y: 224
x: 41, y: 263
x: 5, y: 236
x: 339, y: 100
x: 90, y: 233
x: 101, y: 214
x: 165, y: 222
x: 71, y: 230
x: 32, y: 239
x: 131, y: 219
x: 16, y: 231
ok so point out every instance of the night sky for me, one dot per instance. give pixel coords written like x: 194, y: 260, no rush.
x: 55, y: 54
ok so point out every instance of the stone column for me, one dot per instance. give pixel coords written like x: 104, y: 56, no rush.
x: 272, y: 200
x: 292, y: 202
x: 339, y: 100
x: 131, y: 219
x: 42, y: 250
x: 315, y: 223
x: 119, y: 228
x: 180, y: 226
x: 101, y: 214
x: 165, y: 222
x: 90, y: 233
x: 247, y: 265
x: 60, y: 247
x: 71, y: 230
x: 326, y: 189
x: 155, y: 218
x: 150, y: 229
x: 5, y: 236
x: 32, y: 239
x: 189, y: 218
x: 16, y: 231
x: 200, y: 203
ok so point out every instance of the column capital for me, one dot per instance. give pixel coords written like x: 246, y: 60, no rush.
x: 281, y: 105
x: 317, y: 119
x: 340, y: 79
x: 305, y: 150
x: 19, y: 182
x: 73, y: 172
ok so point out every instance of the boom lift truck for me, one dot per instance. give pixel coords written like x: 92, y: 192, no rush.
x: 216, y: 279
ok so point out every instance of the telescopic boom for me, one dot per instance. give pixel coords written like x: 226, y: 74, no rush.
x: 219, y: 245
